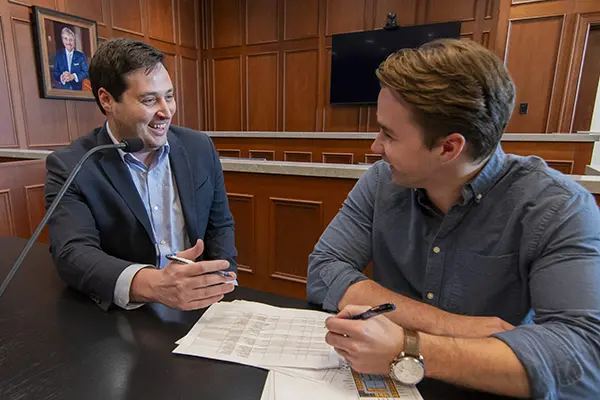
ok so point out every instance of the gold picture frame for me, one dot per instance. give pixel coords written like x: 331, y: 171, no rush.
x: 66, y: 44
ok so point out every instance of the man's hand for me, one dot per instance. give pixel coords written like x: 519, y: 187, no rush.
x: 369, y: 346
x: 183, y: 286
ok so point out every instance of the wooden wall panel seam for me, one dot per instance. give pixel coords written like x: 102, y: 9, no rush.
x: 248, y: 56
x: 9, y: 211
x: 9, y: 89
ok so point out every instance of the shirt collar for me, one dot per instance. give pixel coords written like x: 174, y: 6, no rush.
x: 481, y: 184
x: 162, y: 152
x: 486, y: 178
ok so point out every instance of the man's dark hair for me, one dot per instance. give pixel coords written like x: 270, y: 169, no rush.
x: 116, y: 58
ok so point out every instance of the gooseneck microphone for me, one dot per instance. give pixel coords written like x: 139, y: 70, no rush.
x: 127, y: 145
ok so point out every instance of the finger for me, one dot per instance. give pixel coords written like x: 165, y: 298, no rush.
x: 339, y: 341
x: 211, y: 291
x: 198, y: 304
x: 193, y: 252
x: 351, y: 310
x: 200, y: 281
x: 204, y: 267
x: 346, y: 327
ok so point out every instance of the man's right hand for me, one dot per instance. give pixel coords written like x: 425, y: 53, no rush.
x: 183, y: 286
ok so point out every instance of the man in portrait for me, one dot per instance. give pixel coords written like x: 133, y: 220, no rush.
x: 70, y: 65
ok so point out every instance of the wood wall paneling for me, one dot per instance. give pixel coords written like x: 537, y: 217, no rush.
x: 406, y: 12
x: 190, y: 113
x: 90, y: 9
x: 337, y: 158
x: 263, y: 154
x: 7, y: 225
x: 51, y: 4
x: 298, y: 156
x: 45, y: 119
x: 170, y: 62
x: 226, y: 23
x: 88, y: 116
x: 296, y: 226
x: 127, y: 16
x: 533, y: 71
x: 36, y: 208
x: 301, y: 74
x: 22, y: 197
x: 188, y: 23
x: 227, y: 89
x: 443, y: 11
x: 242, y: 208
x: 230, y: 153
x: 301, y: 19
x: 161, y: 20
x: 262, y: 23
x: 262, y: 99
x: 8, y: 134
x: 345, y: 16
x: 588, y: 84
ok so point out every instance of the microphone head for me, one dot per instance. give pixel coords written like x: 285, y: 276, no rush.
x: 132, y: 145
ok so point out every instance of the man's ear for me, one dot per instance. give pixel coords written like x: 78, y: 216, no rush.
x: 106, y: 99
x: 452, y: 146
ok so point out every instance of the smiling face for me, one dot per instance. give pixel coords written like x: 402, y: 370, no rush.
x: 68, y: 41
x: 400, y: 142
x: 145, y: 109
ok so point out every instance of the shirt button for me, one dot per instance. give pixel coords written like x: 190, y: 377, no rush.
x: 436, y: 249
x: 478, y: 197
x: 430, y: 296
x: 155, y: 208
x: 163, y: 242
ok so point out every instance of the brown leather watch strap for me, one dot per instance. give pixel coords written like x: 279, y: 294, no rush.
x: 411, y: 343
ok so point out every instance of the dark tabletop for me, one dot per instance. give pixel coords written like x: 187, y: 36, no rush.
x: 57, y: 344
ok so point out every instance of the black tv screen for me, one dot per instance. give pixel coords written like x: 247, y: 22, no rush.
x: 356, y: 56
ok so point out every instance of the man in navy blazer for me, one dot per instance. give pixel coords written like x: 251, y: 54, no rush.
x: 70, y: 65
x: 126, y: 211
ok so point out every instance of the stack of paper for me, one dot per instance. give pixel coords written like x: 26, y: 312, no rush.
x: 291, y: 344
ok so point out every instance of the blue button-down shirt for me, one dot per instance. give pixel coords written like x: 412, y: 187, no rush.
x: 523, y: 242
x: 158, y: 191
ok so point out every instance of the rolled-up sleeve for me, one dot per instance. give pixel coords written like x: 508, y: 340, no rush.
x: 344, y: 249
x: 561, y: 350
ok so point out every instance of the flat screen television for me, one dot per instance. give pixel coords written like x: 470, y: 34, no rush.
x: 356, y: 56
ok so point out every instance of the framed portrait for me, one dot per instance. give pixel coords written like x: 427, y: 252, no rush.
x: 66, y: 44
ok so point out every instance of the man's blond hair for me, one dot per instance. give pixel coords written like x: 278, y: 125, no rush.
x: 453, y: 86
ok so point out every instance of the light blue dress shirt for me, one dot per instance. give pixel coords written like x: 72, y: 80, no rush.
x: 158, y: 192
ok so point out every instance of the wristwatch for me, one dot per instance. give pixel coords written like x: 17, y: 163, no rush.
x: 408, y: 367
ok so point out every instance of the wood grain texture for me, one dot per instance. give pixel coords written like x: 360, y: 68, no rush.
x: 8, y: 133
x: 588, y: 83
x: 127, y: 16
x: 345, y: 16
x: 262, y: 21
x: 262, y: 100
x: 190, y: 96
x: 533, y: 72
x: 242, y: 208
x: 227, y: 89
x: 161, y: 20
x: 312, y: 150
x: 301, y: 74
x: 226, y: 23
x: 301, y: 19
x: 90, y: 9
x: 188, y: 23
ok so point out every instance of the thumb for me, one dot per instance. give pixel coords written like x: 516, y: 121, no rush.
x: 193, y: 252
x: 352, y: 310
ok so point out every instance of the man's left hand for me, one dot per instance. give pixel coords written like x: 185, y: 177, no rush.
x: 369, y: 346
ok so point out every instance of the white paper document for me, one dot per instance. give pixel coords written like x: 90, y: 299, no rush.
x: 341, y: 384
x: 261, y: 335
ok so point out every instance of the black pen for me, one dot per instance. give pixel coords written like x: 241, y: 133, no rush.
x: 371, y: 312
x: 182, y: 260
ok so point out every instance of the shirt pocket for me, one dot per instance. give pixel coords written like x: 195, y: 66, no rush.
x: 487, y: 285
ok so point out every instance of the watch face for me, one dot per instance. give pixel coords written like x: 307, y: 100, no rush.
x: 409, y: 371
